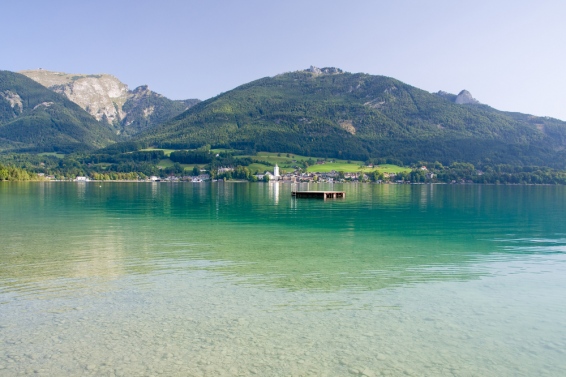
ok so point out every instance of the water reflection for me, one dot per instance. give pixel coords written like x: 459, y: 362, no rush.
x: 380, y: 236
x: 154, y: 189
x: 274, y: 187
x: 226, y: 279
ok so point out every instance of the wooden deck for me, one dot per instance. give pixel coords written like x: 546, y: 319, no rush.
x: 319, y: 194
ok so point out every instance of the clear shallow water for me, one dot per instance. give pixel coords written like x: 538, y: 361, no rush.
x: 242, y: 279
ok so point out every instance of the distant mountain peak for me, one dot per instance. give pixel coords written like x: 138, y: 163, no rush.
x: 465, y: 97
x: 143, y: 90
x: 110, y: 101
x: 101, y: 95
x: 324, y: 71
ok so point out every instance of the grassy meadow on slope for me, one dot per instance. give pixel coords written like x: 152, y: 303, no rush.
x: 289, y: 162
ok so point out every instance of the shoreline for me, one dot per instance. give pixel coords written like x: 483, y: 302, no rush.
x: 288, y: 182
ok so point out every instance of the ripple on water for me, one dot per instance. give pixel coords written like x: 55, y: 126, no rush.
x: 244, y: 280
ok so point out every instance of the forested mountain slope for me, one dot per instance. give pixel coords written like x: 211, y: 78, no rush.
x: 327, y: 112
x: 34, y: 118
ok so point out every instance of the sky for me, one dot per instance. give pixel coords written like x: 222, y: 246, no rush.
x: 510, y: 55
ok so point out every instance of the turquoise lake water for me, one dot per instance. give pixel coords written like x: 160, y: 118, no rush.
x: 238, y: 279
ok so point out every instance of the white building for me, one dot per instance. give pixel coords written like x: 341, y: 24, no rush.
x: 223, y: 169
x: 271, y: 177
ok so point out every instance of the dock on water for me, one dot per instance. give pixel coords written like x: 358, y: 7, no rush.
x: 319, y: 194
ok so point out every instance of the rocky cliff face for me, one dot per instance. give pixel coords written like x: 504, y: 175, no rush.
x: 100, y: 95
x: 145, y: 109
x: 465, y: 97
x: 110, y: 101
x: 36, y: 119
x: 324, y: 71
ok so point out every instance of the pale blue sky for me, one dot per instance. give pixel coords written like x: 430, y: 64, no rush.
x: 509, y: 54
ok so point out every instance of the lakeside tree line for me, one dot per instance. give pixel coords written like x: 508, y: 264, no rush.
x: 142, y: 164
x: 459, y: 172
x: 11, y: 173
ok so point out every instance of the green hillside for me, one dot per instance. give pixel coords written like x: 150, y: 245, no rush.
x: 330, y: 113
x: 145, y: 109
x: 33, y: 118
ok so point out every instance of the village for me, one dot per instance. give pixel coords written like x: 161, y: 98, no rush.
x: 297, y: 176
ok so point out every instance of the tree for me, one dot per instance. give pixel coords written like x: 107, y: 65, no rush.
x: 196, y: 171
x: 3, y: 173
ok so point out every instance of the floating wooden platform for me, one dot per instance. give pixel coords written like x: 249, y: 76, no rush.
x: 319, y: 194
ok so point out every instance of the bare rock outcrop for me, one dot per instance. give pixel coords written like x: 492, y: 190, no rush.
x: 109, y: 100
x: 324, y: 71
x: 102, y: 96
x: 465, y: 97
x: 13, y: 99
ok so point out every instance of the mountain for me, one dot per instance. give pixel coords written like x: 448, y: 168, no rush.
x: 145, y: 109
x: 110, y: 101
x: 463, y: 98
x: 328, y: 112
x: 34, y: 118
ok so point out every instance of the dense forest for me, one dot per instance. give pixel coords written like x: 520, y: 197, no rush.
x: 359, y: 116
x: 11, y: 173
x: 491, y: 174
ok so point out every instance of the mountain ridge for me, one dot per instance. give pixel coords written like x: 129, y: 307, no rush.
x: 109, y: 100
x: 34, y: 118
x: 322, y: 112
x: 328, y: 112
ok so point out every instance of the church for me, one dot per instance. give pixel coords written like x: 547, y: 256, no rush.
x: 272, y: 177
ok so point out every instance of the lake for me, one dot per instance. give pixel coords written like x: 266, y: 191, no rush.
x: 238, y: 279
